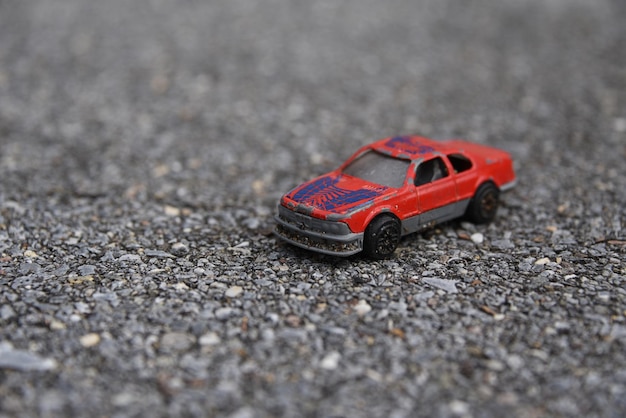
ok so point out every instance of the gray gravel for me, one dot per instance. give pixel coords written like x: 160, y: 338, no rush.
x: 144, y: 144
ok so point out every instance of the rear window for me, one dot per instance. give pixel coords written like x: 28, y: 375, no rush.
x: 460, y: 162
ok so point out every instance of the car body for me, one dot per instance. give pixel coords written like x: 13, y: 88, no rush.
x: 390, y: 188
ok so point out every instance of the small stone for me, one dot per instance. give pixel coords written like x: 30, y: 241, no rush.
x: 133, y: 258
x: 223, y: 313
x: 233, y: 292
x: 503, y: 244
x: 23, y: 360
x: 177, y: 341
x: 619, y: 125
x: 495, y: 365
x: 181, y: 286
x: 463, y: 235
x: 87, y: 270
x: 79, y: 280
x: 330, y: 361
x: 258, y: 186
x: 158, y: 254
x: 179, y: 249
x: 252, y: 223
x: 362, y: 308
x: 618, y: 331
x: 459, y: 408
x: 317, y: 158
x: 90, y: 340
x: 443, y: 284
x: 30, y: 254
x: 171, y: 210
x: 515, y: 362
x: 477, y: 238
x: 542, y: 261
x: 124, y: 399
x: 6, y: 312
x: 244, y: 412
x: 29, y: 268
x: 293, y: 321
x: 210, y: 338
x: 56, y: 325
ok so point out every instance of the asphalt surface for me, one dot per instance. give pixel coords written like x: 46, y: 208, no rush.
x: 143, y: 147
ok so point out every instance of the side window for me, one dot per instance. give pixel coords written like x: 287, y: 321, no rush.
x: 429, y: 171
x: 460, y: 162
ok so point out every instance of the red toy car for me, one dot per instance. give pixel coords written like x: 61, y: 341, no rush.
x: 391, y: 188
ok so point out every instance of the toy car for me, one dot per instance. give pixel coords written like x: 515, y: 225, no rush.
x: 390, y: 188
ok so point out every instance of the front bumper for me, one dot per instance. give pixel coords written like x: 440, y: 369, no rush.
x: 326, y: 237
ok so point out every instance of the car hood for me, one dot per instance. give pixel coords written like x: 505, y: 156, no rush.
x: 333, y: 195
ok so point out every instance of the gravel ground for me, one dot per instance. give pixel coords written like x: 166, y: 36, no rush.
x: 143, y: 147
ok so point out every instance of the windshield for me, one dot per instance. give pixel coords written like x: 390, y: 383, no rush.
x: 379, y: 168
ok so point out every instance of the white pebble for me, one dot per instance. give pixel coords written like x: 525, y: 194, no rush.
x: 90, y: 340
x: 210, y: 338
x: 362, y: 308
x: 233, y: 292
x: 477, y: 238
x: 331, y: 361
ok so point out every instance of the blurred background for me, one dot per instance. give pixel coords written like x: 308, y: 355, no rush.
x: 108, y: 97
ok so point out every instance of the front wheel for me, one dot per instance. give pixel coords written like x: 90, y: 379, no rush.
x: 484, y: 204
x: 381, y: 237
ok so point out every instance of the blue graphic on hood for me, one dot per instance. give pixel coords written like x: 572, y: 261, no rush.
x: 325, y: 194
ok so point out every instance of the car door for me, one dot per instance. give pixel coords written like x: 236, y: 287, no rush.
x: 436, y: 191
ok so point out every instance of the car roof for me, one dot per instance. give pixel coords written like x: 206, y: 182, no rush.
x: 408, y: 147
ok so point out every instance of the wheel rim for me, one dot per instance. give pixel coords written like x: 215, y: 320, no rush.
x: 488, y: 204
x: 387, y: 240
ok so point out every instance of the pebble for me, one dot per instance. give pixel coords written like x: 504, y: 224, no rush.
x: 443, y: 284
x: 362, y: 308
x: 87, y: 270
x: 29, y: 268
x: 179, y: 249
x: 210, y: 338
x: 503, y: 244
x: 90, y: 340
x: 181, y: 286
x: 57, y: 325
x: 133, y: 258
x: 619, y: 332
x: 176, y: 341
x: 22, y: 360
x: 330, y: 361
x: 171, y: 210
x: 619, y: 125
x: 158, y: 254
x: 477, y: 238
x: 6, y: 312
x: 224, y: 313
x: 233, y: 292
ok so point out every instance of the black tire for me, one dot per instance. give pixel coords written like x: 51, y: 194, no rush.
x: 382, y: 236
x: 484, y: 204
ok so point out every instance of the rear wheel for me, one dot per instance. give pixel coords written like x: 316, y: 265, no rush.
x: 381, y: 237
x: 484, y: 204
